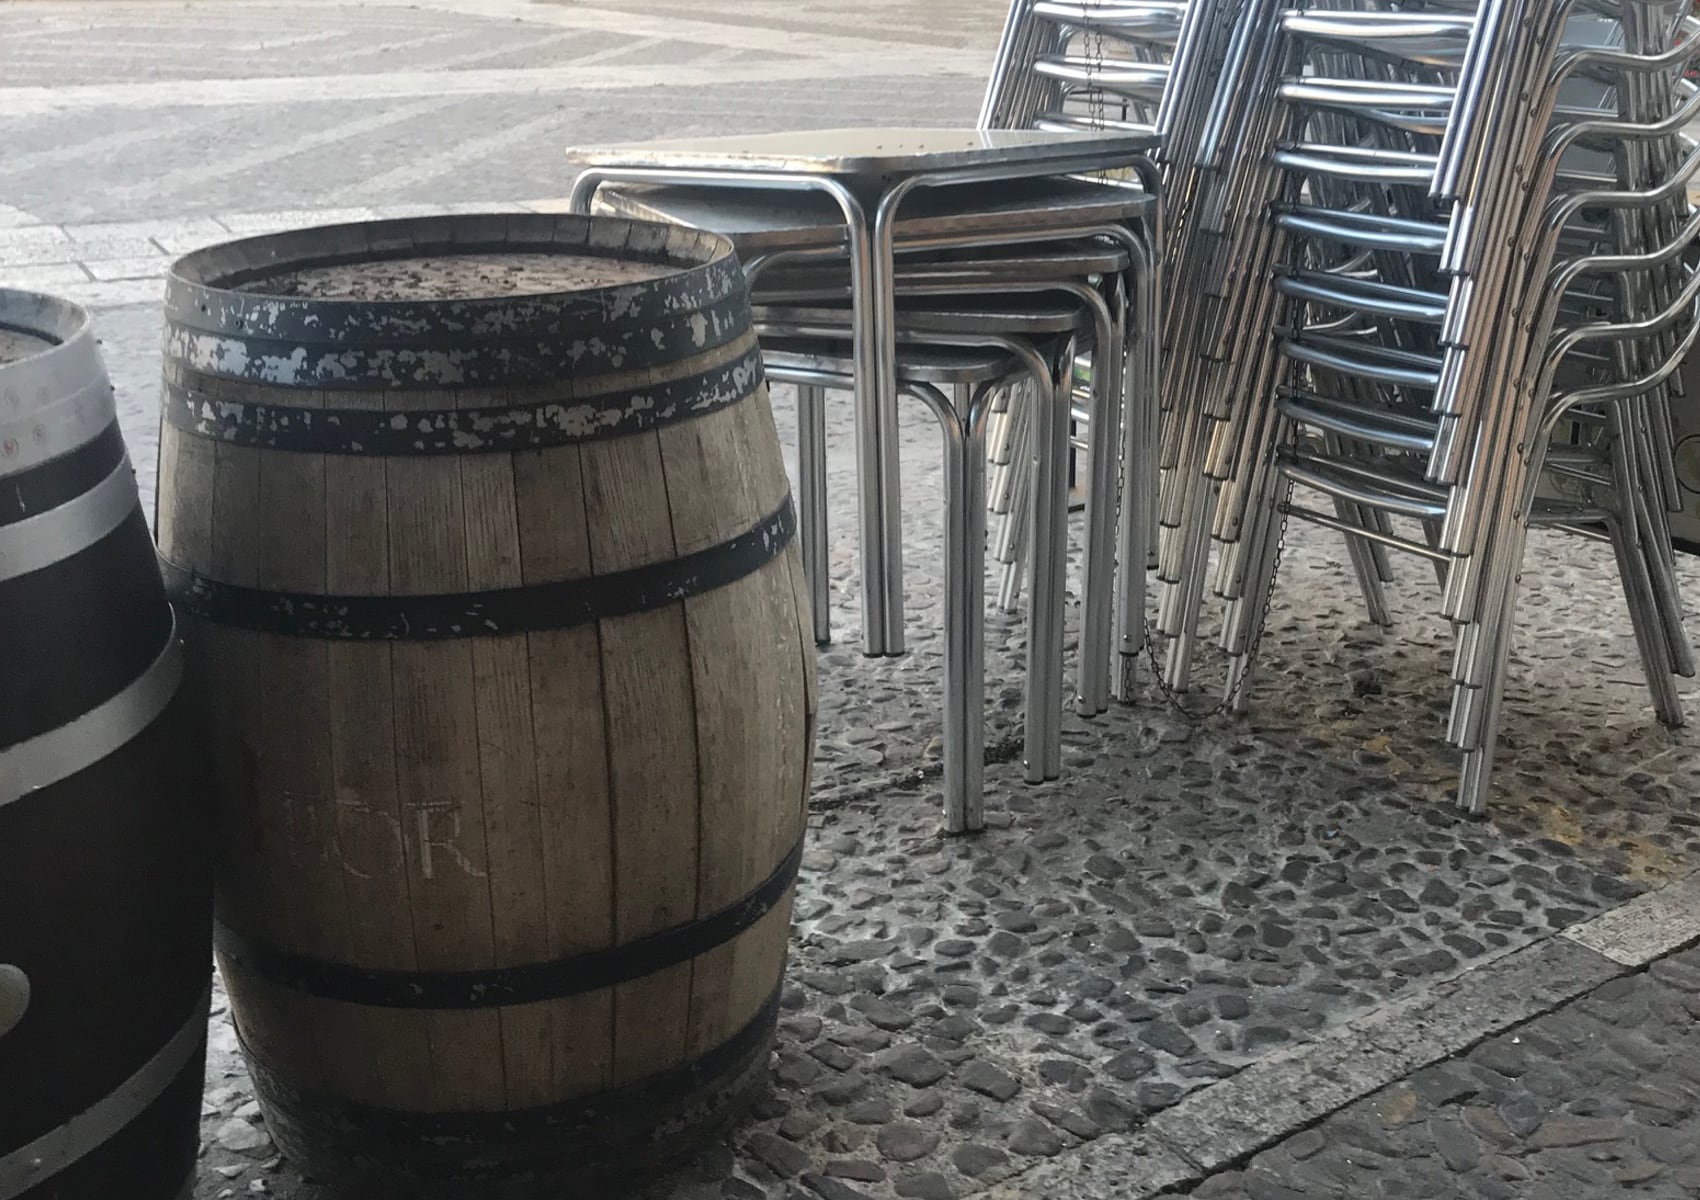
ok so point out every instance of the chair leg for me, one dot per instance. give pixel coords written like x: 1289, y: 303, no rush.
x: 1246, y: 614
x: 1013, y: 529
x: 1177, y: 671
x: 972, y: 556
x: 1361, y: 555
x: 1383, y: 564
x: 1666, y: 591
x: 811, y: 482
x: 1645, y: 622
x: 1136, y: 537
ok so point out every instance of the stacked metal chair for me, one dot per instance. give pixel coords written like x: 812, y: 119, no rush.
x: 1110, y: 64
x: 1435, y: 281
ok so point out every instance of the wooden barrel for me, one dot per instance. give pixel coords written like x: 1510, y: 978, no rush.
x: 483, y: 545
x: 105, y: 842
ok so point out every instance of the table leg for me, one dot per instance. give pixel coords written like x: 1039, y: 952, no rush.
x: 1097, y: 592
x: 876, y: 449
x: 811, y: 482
x: 1058, y: 562
x: 964, y: 694
x: 882, y: 292
x: 1050, y: 488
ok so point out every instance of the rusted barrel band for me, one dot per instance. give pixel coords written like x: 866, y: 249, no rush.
x: 534, y: 608
x: 504, y: 986
x: 203, y: 290
x: 26, y: 1168
x: 621, y: 1132
x: 499, y: 359
x: 60, y: 480
x: 373, y: 432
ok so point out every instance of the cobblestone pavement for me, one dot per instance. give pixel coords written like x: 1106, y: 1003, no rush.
x: 1200, y: 942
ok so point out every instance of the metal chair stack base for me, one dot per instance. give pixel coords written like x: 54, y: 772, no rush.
x: 1438, y: 298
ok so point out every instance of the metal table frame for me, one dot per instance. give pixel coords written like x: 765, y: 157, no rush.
x: 871, y: 246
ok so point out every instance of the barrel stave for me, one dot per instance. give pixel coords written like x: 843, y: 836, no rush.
x: 652, y: 749
x: 748, y: 698
x: 507, y: 778
x: 571, y: 757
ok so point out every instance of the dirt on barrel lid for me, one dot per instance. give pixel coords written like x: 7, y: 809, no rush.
x: 16, y: 345
x: 476, y: 276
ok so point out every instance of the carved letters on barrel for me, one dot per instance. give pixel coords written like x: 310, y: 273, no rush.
x: 485, y: 553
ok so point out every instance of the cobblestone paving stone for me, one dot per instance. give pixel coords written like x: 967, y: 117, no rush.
x: 1597, y: 1098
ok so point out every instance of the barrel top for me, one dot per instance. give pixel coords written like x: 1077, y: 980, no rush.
x: 54, y: 393
x: 467, y: 258
x: 453, y: 300
x: 31, y: 325
x: 457, y: 277
x: 17, y: 345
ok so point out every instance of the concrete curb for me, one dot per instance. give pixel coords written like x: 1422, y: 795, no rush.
x: 1220, y: 1126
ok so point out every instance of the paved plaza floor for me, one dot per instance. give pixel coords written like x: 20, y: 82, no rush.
x: 1258, y: 956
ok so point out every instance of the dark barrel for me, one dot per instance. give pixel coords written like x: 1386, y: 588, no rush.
x: 482, y: 543
x: 105, y: 837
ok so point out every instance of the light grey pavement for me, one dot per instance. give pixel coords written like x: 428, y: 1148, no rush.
x: 133, y: 131
x: 1176, y: 964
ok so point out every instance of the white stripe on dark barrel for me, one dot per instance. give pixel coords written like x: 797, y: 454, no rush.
x: 14, y: 997
x: 57, y: 429
x: 57, y: 534
x: 60, y: 753
x: 53, y: 401
x: 30, y: 1166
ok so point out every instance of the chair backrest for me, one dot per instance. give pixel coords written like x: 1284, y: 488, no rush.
x: 1085, y: 64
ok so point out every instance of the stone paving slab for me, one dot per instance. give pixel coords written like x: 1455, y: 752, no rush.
x: 1596, y: 1098
x: 1285, y: 1096
x: 112, y: 111
x: 1653, y: 926
x: 81, y: 262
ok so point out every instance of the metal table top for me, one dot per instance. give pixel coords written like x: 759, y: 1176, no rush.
x: 868, y: 152
x: 764, y: 219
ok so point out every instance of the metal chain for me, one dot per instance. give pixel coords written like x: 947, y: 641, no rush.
x: 1094, y: 66
x: 1227, y: 702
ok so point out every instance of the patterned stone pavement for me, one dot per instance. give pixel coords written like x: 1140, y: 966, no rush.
x: 1216, y: 956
